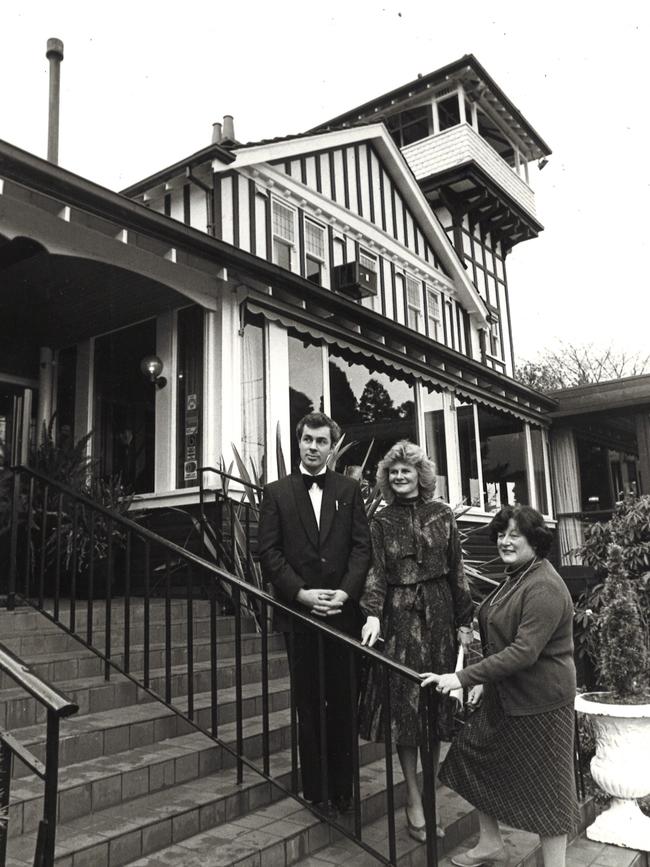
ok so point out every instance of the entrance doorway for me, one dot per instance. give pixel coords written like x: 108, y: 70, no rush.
x: 125, y: 417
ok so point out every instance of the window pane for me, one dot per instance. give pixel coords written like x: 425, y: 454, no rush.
x: 537, y: 440
x: 283, y: 221
x: 369, y: 405
x: 593, y: 460
x: 413, y: 291
x: 503, y: 459
x: 314, y: 271
x: 66, y: 370
x: 314, y: 239
x: 305, y: 385
x: 468, y: 460
x: 449, y: 111
x: 282, y: 254
x: 189, y: 396
x: 435, y: 440
x: 253, y: 397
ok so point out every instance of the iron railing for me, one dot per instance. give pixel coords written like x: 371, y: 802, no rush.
x: 60, y: 543
x: 57, y: 706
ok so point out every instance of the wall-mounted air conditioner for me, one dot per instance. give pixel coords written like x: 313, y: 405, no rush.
x: 355, y: 280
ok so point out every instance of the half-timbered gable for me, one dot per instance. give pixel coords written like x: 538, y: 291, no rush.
x: 314, y: 203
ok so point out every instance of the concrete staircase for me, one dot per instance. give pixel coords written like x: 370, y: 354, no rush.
x: 139, y: 786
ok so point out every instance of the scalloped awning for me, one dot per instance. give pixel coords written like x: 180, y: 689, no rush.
x: 394, y: 362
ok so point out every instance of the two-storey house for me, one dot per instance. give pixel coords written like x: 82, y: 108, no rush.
x: 359, y: 268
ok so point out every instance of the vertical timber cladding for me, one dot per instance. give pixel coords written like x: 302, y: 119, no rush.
x: 189, y: 445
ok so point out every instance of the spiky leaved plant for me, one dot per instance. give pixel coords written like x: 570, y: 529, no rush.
x: 623, y: 653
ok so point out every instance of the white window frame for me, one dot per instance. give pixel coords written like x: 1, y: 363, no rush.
x: 314, y: 257
x: 290, y: 243
x: 413, y: 285
x: 432, y: 320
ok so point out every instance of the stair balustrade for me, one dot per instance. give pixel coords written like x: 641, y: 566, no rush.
x: 65, y: 546
x: 57, y: 706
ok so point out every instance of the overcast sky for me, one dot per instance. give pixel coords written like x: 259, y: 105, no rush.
x: 142, y: 83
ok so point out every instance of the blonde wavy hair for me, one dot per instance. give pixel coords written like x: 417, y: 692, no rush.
x: 405, y: 452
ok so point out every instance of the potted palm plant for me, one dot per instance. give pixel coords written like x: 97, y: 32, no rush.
x: 620, y: 714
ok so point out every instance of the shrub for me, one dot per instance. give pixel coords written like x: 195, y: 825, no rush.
x: 629, y: 531
x: 623, y: 654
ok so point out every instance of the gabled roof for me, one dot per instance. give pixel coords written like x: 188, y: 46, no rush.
x: 211, y: 152
x: 468, y: 65
x: 376, y: 133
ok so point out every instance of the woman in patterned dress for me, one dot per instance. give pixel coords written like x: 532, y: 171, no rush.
x: 513, y: 760
x: 417, y: 595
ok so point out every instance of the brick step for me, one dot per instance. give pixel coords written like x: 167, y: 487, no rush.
x: 120, y: 834
x: 282, y: 833
x: 90, y: 786
x: 106, y: 733
x: 58, y: 640
x: 26, y: 619
x: 460, y: 821
x: 79, y: 662
x: 17, y: 709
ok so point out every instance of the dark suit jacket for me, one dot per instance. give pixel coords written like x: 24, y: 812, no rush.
x: 295, y: 554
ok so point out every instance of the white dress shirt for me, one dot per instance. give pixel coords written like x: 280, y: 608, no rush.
x: 315, y: 493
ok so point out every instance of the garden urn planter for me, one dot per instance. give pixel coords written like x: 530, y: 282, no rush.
x: 621, y: 767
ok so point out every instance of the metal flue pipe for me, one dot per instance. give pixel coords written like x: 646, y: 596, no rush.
x: 54, y: 54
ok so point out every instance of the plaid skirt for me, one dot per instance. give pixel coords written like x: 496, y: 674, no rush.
x: 517, y: 769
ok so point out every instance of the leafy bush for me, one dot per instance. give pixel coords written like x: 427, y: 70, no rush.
x: 628, y: 531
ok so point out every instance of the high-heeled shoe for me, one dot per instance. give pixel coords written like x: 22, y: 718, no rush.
x: 498, y: 857
x: 416, y: 832
x: 419, y: 832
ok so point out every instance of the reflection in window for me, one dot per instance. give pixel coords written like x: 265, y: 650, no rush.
x: 503, y: 459
x: 435, y: 440
x: 253, y: 403
x: 305, y: 384
x: 369, y: 405
x: 537, y: 442
x: 468, y: 457
x: 595, y: 484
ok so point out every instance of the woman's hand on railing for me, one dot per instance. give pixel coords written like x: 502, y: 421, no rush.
x: 445, y: 683
x: 370, y: 631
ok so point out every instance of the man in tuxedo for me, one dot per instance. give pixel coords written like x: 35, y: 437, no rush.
x: 314, y: 547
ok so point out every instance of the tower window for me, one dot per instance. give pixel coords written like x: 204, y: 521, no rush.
x: 448, y: 112
x: 411, y: 125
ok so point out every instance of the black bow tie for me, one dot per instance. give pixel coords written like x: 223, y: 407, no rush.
x: 313, y: 480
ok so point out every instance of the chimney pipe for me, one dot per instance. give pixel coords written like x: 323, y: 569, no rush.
x: 54, y: 54
x: 216, y: 133
x: 228, y: 128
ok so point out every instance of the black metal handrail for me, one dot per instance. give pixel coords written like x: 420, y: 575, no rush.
x: 57, y: 706
x: 51, y: 515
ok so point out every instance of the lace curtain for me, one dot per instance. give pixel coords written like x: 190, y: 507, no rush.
x: 567, y: 494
